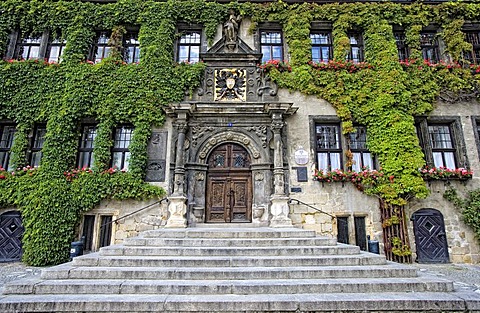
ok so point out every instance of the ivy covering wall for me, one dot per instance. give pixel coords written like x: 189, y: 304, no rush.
x: 385, y: 96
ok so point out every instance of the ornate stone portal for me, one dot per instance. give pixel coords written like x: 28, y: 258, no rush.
x: 236, y: 106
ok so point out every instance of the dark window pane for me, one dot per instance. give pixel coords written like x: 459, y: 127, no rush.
x: 88, y: 228
x: 356, y: 48
x: 473, y: 38
x: 132, y: 47
x: 7, y: 136
x: 342, y: 229
x: 37, y: 145
x: 105, y: 230
x: 85, y: 151
x: 443, y: 147
x: 429, y: 46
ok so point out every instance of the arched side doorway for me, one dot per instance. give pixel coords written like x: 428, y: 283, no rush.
x: 430, y: 236
x: 11, y: 232
x: 229, y: 185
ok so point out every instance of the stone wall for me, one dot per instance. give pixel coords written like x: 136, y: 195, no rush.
x: 344, y: 200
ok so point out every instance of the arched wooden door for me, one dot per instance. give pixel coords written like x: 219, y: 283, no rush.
x: 430, y: 236
x: 11, y: 232
x: 229, y: 185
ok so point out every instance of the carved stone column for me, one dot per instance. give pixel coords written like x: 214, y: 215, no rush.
x: 177, y: 206
x: 279, y: 201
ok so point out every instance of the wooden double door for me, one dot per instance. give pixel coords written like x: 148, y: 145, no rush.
x: 229, y: 185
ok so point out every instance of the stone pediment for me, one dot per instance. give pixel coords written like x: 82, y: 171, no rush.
x: 239, y: 47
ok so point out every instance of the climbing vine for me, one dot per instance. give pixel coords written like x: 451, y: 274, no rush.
x: 110, y: 93
x: 469, y: 206
x: 385, y: 95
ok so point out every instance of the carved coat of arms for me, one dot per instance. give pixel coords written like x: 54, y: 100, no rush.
x: 230, y: 84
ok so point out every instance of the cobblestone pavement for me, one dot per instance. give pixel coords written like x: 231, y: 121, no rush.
x: 464, y: 276
x: 16, y: 270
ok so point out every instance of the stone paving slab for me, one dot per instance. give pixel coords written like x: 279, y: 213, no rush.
x: 204, y: 273
x: 293, y: 286
x: 94, y: 259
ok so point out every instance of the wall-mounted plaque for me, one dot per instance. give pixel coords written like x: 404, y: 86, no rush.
x: 157, y: 152
x: 302, y: 175
x: 301, y: 156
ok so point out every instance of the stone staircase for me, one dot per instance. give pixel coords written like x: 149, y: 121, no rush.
x: 233, y: 270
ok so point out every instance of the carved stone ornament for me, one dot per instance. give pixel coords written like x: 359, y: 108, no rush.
x: 228, y: 137
x: 198, y: 132
x: 461, y: 96
x: 261, y: 132
x: 230, y: 84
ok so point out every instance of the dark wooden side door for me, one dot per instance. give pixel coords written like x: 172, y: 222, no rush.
x: 11, y: 232
x: 430, y: 236
x: 229, y: 185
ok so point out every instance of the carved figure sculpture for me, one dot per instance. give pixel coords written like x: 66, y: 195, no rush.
x: 231, y: 30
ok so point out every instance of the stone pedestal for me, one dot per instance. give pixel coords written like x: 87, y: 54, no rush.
x: 279, y: 210
x: 177, y: 209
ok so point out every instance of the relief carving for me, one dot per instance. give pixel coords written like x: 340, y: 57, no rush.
x: 264, y: 82
x: 261, y: 132
x: 230, y: 84
x: 198, y: 132
x: 228, y: 137
x: 199, y: 176
x: 259, y: 176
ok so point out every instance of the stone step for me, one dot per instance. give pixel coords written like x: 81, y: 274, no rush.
x: 239, y: 273
x: 321, y: 302
x: 230, y: 251
x: 292, y: 286
x: 229, y: 242
x: 95, y: 259
x: 236, y: 232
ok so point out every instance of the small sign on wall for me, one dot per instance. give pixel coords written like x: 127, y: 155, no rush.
x: 301, y: 156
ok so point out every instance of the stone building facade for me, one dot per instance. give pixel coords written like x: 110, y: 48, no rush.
x: 239, y: 150
x: 273, y: 130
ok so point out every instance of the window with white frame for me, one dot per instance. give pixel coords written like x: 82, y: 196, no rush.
x: 131, y: 47
x: 100, y: 49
